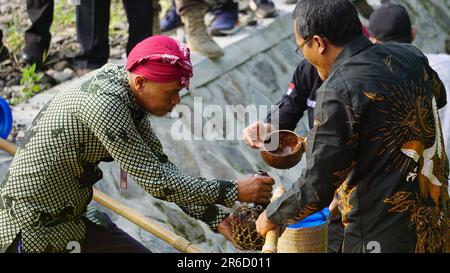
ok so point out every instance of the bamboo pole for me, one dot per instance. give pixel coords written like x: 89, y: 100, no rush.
x: 135, y: 217
x: 7, y: 146
x: 270, y: 244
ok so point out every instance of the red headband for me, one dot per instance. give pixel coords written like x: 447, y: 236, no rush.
x: 161, y: 59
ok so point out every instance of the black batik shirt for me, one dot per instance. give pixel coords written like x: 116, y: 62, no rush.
x: 377, y: 140
x: 301, y: 96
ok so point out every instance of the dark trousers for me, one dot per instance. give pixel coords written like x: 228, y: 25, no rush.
x: 99, y: 239
x: 109, y: 239
x: 1, y: 40
x: 93, y: 25
x: 37, y: 37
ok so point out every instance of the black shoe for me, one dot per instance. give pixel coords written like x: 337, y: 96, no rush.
x: 4, y: 53
x: 34, y: 53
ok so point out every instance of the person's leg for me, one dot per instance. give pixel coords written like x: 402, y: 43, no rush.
x: 156, y: 13
x: 109, y: 239
x: 37, y: 37
x: 92, y: 32
x: 225, y: 4
x: 182, y: 5
x: 140, y: 21
x: 363, y: 8
x: 192, y: 14
x: 171, y: 19
x: 226, y: 17
x: 4, y: 53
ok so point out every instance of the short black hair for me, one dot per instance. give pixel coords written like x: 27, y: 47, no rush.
x: 336, y: 20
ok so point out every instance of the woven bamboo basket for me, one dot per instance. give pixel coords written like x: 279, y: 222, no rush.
x: 304, y: 240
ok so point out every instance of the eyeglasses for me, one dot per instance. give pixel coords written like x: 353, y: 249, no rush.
x: 299, y: 49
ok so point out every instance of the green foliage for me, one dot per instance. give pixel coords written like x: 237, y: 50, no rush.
x: 117, y: 15
x: 63, y: 16
x: 30, y: 82
x: 14, y: 37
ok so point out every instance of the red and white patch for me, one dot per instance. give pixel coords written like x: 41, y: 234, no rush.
x: 291, y: 88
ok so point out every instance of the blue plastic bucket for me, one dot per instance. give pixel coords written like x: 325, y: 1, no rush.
x: 5, y: 119
x: 317, y: 219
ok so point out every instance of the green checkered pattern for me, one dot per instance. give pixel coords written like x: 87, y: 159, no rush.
x: 49, y: 184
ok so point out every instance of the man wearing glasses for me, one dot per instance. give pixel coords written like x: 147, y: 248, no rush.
x: 376, y: 138
x: 300, y: 97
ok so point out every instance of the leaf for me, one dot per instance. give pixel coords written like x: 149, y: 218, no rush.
x: 33, y: 68
x: 36, y: 88
x: 26, y: 91
x: 39, y: 77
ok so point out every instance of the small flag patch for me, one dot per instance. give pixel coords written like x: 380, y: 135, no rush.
x: 291, y: 88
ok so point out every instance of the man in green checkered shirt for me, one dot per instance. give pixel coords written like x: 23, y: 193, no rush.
x: 103, y: 117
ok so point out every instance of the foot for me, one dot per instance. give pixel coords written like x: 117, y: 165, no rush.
x: 34, y: 54
x: 156, y: 12
x: 205, y: 45
x: 198, y: 38
x: 225, y: 22
x: 171, y: 21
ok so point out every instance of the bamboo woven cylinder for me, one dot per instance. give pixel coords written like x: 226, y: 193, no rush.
x: 304, y: 240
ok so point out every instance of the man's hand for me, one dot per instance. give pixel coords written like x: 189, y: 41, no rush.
x: 263, y: 224
x: 255, y: 133
x: 257, y: 189
x: 225, y: 229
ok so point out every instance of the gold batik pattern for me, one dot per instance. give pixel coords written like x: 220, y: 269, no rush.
x: 429, y: 209
x: 342, y: 175
x: 431, y: 222
x: 409, y: 119
x: 344, y: 194
x: 305, y: 212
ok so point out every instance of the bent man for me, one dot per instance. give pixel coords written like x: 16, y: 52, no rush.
x: 103, y: 117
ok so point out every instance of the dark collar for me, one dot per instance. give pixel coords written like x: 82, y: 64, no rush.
x: 351, y: 49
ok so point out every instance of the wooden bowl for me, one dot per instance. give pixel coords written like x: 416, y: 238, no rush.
x: 282, y: 149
